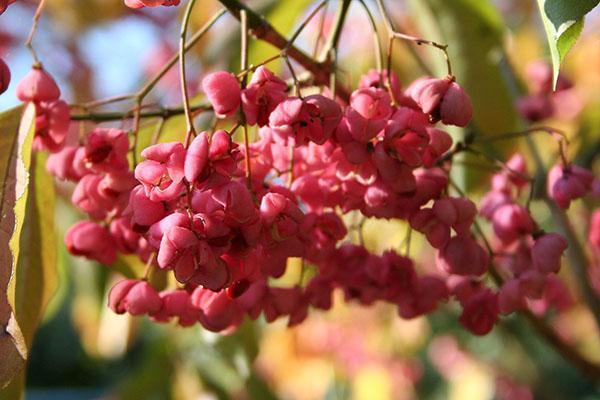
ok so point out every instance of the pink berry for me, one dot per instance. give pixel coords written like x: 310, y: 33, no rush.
x: 264, y: 92
x: 223, y: 91
x: 462, y: 255
x: 568, y: 183
x: 91, y: 240
x: 134, y: 297
x: 547, y: 251
x: 38, y: 85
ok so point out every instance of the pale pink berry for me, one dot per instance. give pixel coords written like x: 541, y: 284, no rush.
x: 91, y: 240
x: 547, y: 251
x: 134, y: 297
x: 568, y: 183
x: 462, y: 255
x: 4, y: 72
x: 37, y: 86
x: 223, y: 91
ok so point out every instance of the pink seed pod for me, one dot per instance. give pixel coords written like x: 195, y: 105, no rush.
x: 143, y: 211
x: 51, y: 125
x: 223, y: 91
x: 162, y: 172
x: 264, y: 92
x: 517, y: 170
x: 510, y: 298
x: 91, y: 240
x: 60, y: 164
x: 379, y: 79
x: 106, y: 150
x: 536, y: 107
x: 177, y: 304
x: 196, y: 157
x: 547, y: 251
x: 37, y: 86
x: 134, y: 297
x: 4, y: 71
x: 372, y: 103
x: 511, y: 221
x: 480, y: 312
x: 462, y: 255
x: 443, y: 99
x: 299, y: 121
x: 218, y: 311
x: 539, y: 74
x: 568, y: 183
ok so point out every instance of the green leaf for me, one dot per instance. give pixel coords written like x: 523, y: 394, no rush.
x: 473, y: 31
x: 16, y: 136
x: 35, y: 279
x: 563, y: 22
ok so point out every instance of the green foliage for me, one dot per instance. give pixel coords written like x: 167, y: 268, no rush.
x: 563, y: 22
x: 15, y: 157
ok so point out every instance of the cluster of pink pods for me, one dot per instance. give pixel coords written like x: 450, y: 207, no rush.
x: 225, y: 219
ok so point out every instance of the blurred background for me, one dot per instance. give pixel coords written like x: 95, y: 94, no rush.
x: 100, y: 48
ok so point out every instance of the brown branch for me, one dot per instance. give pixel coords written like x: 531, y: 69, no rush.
x: 165, y: 113
x: 261, y: 29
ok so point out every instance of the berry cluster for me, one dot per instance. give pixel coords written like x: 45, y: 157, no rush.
x: 52, y: 114
x: 226, y: 218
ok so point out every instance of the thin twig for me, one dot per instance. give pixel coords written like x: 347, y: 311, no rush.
x: 34, y: 25
x: 148, y: 86
x: 191, y: 130
x: 394, y: 34
x: 165, y: 113
x: 336, y: 32
x: 261, y: 29
x: 378, y: 50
